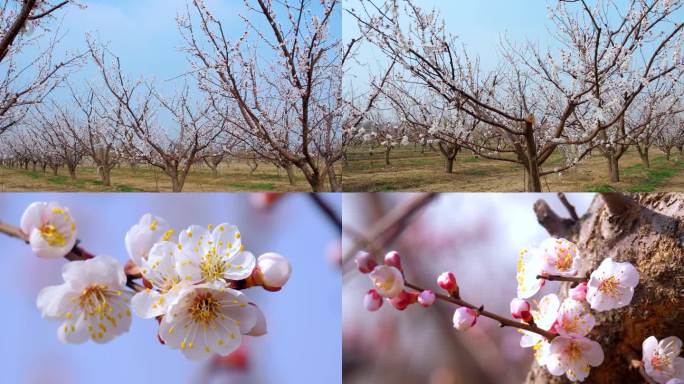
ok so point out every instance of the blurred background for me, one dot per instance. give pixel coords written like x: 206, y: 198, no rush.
x: 477, y: 236
x: 303, y: 342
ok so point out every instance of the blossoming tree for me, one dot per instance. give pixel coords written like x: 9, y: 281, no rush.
x: 287, y: 105
x: 538, y: 100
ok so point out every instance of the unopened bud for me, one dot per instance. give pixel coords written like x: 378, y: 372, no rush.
x: 426, y: 298
x: 365, y: 262
x: 393, y: 259
x: 372, y: 301
x: 447, y: 281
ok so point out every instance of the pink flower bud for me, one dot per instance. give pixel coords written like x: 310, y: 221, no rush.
x: 426, y: 298
x: 404, y: 299
x: 392, y: 259
x: 579, y: 293
x: 447, y: 281
x: 464, y: 318
x: 520, y: 309
x: 372, y: 301
x: 365, y: 262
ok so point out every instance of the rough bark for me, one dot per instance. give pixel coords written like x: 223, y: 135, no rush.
x: 644, y: 230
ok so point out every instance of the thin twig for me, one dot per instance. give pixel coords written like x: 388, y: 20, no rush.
x: 390, y: 226
x: 327, y: 210
x: 503, y: 322
x: 77, y: 253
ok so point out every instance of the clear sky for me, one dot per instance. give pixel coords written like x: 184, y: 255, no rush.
x: 303, y: 344
x: 479, y: 25
x: 145, y: 36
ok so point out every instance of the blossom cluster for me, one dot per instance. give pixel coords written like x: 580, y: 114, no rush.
x: 556, y: 329
x: 191, y: 283
x: 610, y: 286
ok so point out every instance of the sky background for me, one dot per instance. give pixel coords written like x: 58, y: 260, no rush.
x: 479, y: 25
x: 145, y: 36
x: 303, y: 343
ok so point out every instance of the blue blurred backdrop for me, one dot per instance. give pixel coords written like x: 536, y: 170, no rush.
x: 303, y: 344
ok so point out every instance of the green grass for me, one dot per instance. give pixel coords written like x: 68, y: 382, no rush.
x: 601, y: 188
x: 650, y: 178
x: 126, y: 188
x: 471, y: 159
x: 34, y: 174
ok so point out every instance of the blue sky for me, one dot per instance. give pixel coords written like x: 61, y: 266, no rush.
x: 145, y: 36
x: 303, y: 344
x: 479, y: 25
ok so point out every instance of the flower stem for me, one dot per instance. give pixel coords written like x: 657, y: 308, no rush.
x: 571, y: 279
x: 503, y: 322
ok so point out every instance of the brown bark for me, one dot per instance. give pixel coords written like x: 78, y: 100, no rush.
x: 645, y: 230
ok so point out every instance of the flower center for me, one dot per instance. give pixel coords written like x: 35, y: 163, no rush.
x: 660, y: 361
x: 212, y: 266
x: 93, y: 300
x: 564, y: 262
x: 386, y: 284
x: 53, y: 237
x: 610, y: 286
x: 573, y: 351
x: 204, y: 309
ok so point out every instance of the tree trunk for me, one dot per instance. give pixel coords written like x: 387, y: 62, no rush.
x: 55, y: 169
x: 667, y: 153
x: 613, y: 167
x: 332, y: 179
x: 387, y: 157
x: 643, y: 153
x: 648, y: 234
x: 72, y: 171
x: 533, y: 175
x: 290, y: 174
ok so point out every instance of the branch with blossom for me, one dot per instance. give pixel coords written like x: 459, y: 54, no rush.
x: 556, y: 329
x: 190, y: 283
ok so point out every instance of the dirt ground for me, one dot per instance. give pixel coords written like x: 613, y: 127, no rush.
x: 232, y: 177
x: 412, y: 171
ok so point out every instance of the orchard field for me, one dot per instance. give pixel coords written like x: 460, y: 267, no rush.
x: 234, y: 176
x: 411, y: 170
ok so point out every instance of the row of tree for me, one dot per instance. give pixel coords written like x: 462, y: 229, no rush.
x: 613, y: 78
x: 285, y: 110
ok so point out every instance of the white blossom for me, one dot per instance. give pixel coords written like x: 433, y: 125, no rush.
x: 92, y: 302
x: 50, y: 228
x: 611, y: 285
x: 661, y: 359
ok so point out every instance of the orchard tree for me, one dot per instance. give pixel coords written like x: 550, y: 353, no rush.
x: 135, y: 105
x: 28, y: 81
x: 286, y: 103
x: 539, y: 100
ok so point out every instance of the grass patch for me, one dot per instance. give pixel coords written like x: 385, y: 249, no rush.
x: 34, y: 175
x: 601, y: 188
x: 471, y: 159
x: 127, y: 188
